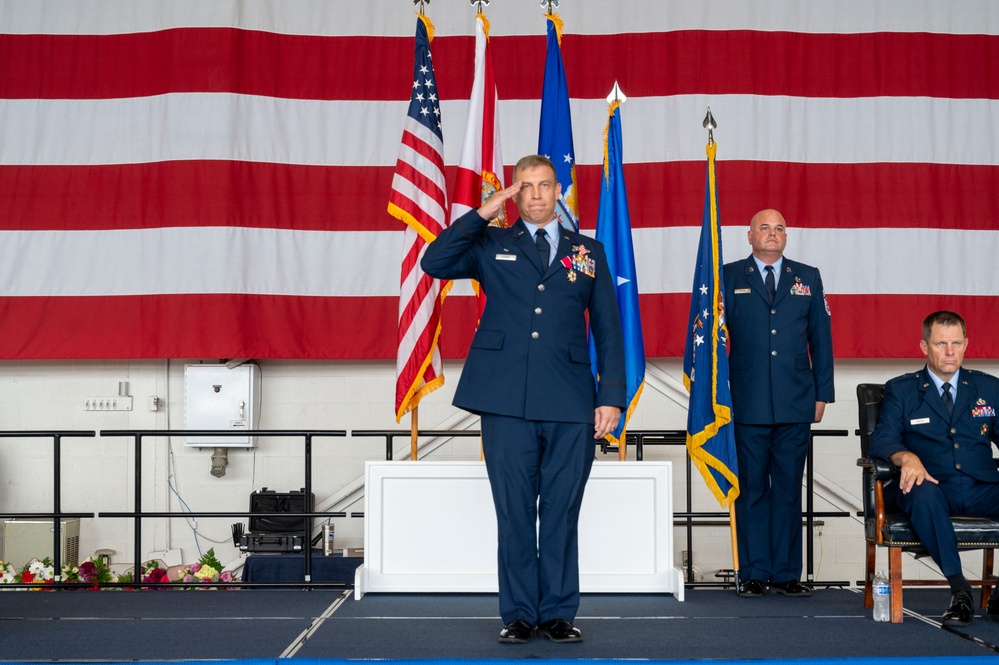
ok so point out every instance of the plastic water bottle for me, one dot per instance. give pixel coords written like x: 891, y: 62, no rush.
x: 882, y: 597
x: 327, y: 539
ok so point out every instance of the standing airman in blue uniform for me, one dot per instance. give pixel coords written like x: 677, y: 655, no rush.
x: 938, y: 425
x: 781, y: 376
x: 528, y: 376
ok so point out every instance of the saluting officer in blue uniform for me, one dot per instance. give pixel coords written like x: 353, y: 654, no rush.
x: 528, y: 376
x: 938, y: 425
x: 781, y: 376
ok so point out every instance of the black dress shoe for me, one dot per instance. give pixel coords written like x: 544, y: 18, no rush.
x: 560, y: 630
x: 751, y: 589
x: 992, y: 609
x: 516, y: 632
x: 794, y: 588
x: 960, y: 611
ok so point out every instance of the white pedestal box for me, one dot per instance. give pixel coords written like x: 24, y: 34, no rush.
x: 431, y: 527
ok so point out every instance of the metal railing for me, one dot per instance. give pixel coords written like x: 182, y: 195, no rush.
x: 137, y: 515
x: 689, y: 519
x: 57, y: 516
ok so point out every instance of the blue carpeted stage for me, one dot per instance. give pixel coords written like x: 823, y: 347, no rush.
x: 329, y: 626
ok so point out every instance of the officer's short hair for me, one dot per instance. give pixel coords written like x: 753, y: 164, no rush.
x: 943, y: 318
x: 532, y: 161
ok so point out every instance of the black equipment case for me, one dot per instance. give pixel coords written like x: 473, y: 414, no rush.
x: 269, y: 530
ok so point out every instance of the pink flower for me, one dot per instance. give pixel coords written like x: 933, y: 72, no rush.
x: 225, y: 576
x: 155, y: 576
x: 194, y: 567
x: 88, y: 571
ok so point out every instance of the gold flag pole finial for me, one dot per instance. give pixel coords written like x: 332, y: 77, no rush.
x: 709, y: 124
x: 421, y: 3
x: 550, y: 4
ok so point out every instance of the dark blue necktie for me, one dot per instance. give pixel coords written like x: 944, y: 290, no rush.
x: 948, y: 399
x: 543, y: 251
x: 770, y: 283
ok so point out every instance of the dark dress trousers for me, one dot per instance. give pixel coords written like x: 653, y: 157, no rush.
x: 780, y: 364
x: 528, y: 375
x: 956, y: 449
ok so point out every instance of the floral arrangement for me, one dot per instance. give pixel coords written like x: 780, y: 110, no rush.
x: 207, y: 570
x: 7, y: 573
x: 95, y: 572
x: 33, y: 572
x: 91, y: 571
x: 149, y: 572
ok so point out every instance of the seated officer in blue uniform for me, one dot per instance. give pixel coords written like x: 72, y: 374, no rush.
x: 528, y: 376
x: 938, y: 426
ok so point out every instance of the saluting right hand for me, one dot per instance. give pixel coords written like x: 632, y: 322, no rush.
x: 491, y: 208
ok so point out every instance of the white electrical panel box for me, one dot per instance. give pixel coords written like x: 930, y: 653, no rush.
x: 24, y: 540
x: 219, y: 398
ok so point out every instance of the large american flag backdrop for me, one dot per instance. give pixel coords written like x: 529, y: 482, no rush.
x: 181, y: 178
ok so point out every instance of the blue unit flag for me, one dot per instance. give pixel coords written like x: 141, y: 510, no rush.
x: 710, y: 435
x: 555, y: 133
x: 614, y: 232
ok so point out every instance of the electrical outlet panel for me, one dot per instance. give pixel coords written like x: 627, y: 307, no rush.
x: 113, y: 403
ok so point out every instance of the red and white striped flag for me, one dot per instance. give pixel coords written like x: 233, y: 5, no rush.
x: 191, y: 179
x: 418, y: 199
x: 480, y: 167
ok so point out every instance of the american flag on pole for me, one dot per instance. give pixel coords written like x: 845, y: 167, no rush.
x: 191, y: 179
x: 418, y: 199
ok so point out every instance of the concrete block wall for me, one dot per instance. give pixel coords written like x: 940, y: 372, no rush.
x: 98, y: 475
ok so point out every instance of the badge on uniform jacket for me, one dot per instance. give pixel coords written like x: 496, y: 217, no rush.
x: 581, y: 261
x: 983, y: 412
x: 799, y: 289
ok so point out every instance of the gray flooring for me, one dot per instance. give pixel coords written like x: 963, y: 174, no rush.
x: 330, y: 624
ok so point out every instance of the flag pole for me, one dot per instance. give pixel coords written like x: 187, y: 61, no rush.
x: 622, y: 446
x: 710, y: 124
x: 414, y: 415
x: 414, y: 432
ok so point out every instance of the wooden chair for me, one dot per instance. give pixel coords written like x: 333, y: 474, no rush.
x: 885, y: 525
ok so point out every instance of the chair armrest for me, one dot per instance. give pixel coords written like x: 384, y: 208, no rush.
x: 883, y: 469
